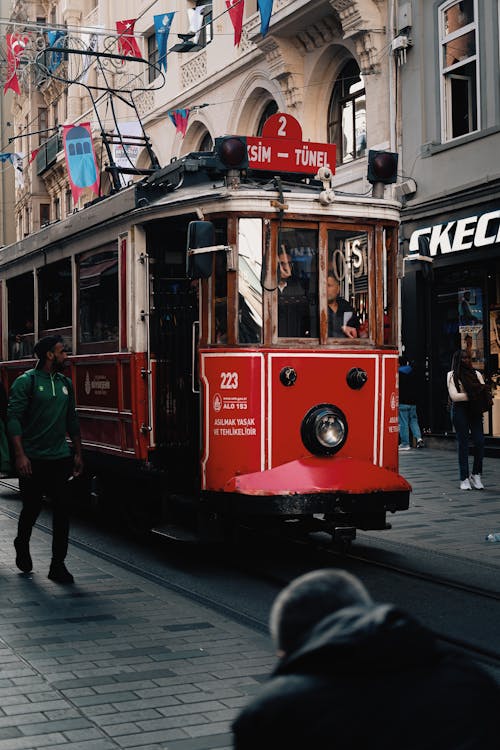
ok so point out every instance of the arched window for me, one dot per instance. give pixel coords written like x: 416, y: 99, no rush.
x: 347, y: 114
x: 207, y: 143
x: 271, y: 109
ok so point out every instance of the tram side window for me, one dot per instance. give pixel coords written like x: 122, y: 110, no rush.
x: 297, y: 283
x: 20, y: 293
x: 220, y: 294
x: 347, y: 284
x: 249, y: 281
x: 98, y: 301
x: 55, y: 301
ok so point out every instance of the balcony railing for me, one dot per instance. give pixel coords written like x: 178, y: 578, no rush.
x: 47, y: 154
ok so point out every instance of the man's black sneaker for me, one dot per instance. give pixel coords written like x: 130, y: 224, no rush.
x: 23, y: 557
x: 59, y: 573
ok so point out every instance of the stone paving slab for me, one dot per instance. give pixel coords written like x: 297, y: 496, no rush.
x: 116, y: 661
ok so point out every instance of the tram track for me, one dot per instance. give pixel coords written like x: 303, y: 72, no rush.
x: 311, y: 555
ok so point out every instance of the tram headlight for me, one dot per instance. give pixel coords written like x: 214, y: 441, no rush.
x: 324, y: 429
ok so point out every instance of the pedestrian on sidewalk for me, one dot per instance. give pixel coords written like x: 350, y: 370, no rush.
x: 408, y: 397
x: 353, y: 674
x: 466, y: 388
x: 41, y: 412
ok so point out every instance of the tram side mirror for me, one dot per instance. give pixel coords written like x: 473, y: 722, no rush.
x: 200, y: 234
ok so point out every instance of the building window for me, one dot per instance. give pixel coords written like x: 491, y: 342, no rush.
x: 69, y: 202
x: 459, y: 65
x: 44, y: 214
x: 43, y: 124
x: 153, y: 55
x: 57, y: 209
x: 206, y: 143
x: 271, y: 109
x: 347, y: 114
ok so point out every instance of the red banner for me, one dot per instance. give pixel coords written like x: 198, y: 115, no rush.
x: 236, y: 8
x: 127, y: 43
x: 15, y: 47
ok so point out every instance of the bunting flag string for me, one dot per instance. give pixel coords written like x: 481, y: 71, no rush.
x: 16, y: 45
x: 163, y: 22
x: 236, y: 9
x: 80, y: 159
x: 127, y: 43
x: 180, y: 118
x: 265, y: 9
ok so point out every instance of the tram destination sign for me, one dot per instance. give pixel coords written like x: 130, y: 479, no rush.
x: 282, y: 149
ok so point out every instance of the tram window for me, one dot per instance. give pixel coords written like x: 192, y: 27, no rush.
x: 297, y: 283
x: 54, y: 301
x: 249, y: 283
x: 220, y: 293
x: 347, y: 284
x: 98, y: 301
x: 20, y: 292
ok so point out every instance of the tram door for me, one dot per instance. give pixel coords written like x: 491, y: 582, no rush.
x: 174, y: 323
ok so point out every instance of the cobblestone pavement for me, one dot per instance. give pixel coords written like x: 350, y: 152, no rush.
x: 118, y: 661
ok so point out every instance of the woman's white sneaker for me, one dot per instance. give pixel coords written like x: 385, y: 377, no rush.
x: 475, y: 480
x: 465, y: 484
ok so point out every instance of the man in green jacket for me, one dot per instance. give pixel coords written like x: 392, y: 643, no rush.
x: 41, y: 412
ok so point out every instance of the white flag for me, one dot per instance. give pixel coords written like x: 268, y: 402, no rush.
x: 90, y: 42
x: 17, y: 161
x: 195, y: 16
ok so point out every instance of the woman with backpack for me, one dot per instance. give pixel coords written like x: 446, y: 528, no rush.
x: 469, y: 397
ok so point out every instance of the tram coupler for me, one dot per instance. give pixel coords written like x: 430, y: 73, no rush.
x: 344, y: 535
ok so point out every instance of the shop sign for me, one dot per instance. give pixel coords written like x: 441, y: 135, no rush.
x: 462, y: 234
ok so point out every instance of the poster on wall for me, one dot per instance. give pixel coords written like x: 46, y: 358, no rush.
x: 470, y: 306
x: 470, y: 323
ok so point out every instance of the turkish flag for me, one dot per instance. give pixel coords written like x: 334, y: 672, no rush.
x: 236, y: 8
x: 127, y: 43
x: 15, y: 47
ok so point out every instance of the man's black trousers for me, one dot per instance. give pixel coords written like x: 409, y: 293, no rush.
x: 49, y: 478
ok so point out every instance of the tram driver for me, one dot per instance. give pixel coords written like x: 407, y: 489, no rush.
x: 294, y: 313
x: 342, y: 318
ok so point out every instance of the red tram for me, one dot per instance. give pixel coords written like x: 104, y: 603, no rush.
x: 209, y: 382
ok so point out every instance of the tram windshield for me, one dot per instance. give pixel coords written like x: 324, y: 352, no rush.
x: 249, y: 281
x: 347, y: 284
x: 297, y: 283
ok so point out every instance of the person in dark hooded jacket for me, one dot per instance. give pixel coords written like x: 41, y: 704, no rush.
x: 354, y: 674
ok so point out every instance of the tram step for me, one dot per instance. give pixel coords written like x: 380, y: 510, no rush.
x: 176, y: 532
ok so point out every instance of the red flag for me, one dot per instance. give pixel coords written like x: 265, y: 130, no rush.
x: 127, y: 43
x: 33, y: 155
x: 236, y: 8
x: 15, y: 48
x: 80, y: 159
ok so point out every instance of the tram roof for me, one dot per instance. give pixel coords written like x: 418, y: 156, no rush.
x: 150, y: 200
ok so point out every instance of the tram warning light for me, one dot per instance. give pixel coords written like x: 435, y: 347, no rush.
x: 231, y: 152
x: 382, y: 167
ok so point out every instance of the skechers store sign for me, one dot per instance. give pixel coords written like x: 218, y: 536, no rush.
x: 462, y: 234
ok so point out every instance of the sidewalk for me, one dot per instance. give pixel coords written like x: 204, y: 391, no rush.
x: 116, y: 661
x: 443, y: 520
